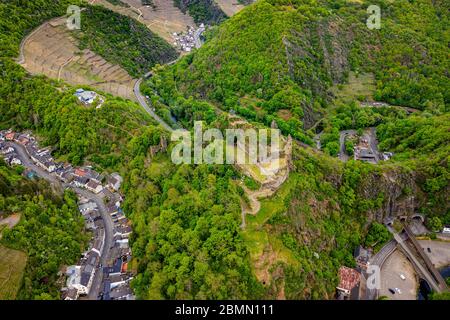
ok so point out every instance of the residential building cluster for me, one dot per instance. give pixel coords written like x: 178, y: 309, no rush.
x: 364, y: 151
x: 352, y: 281
x: 8, y: 152
x: 189, y: 40
x: 115, y: 274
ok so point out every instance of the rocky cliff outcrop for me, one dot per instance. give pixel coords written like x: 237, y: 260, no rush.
x: 401, y: 195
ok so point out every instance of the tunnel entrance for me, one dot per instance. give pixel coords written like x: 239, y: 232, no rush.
x: 424, y: 290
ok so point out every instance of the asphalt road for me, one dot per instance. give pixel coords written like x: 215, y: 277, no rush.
x: 142, y: 101
x: 28, y: 163
x: 378, y: 260
x: 373, y: 143
x: 108, y: 245
x: 411, y: 256
x: 342, y: 153
x: 439, y: 252
x: 109, y: 226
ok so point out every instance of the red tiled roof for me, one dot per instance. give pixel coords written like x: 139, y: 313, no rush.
x: 80, y: 172
x: 10, y: 136
x: 348, y: 278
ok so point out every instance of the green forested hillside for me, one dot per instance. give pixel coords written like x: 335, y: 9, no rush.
x: 76, y: 132
x: 202, y: 11
x: 282, y: 60
x: 186, y: 232
x: 276, y: 60
x: 50, y: 231
x: 17, y: 19
x: 122, y: 40
x: 118, y: 137
x: 290, y: 61
x: 422, y: 144
x: 284, y: 56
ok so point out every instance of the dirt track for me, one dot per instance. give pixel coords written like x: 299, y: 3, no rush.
x: 52, y: 51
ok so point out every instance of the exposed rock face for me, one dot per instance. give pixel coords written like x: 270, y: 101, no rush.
x: 161, y: 147
x: 335, y: 41
x: 401, y: 195
x: 324, y: 45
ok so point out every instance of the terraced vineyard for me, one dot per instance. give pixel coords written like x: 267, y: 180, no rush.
x: 52, y: 51
x: 164, y: 19
x: 230, y: 7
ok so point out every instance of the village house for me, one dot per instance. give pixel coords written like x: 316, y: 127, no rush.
x: 81, y: 277
x: 123, y: 230
x: 119, y: 218
x: 23, y: 140
x: 348, y: 287
x: 44, y: 160
x: 70, y: 294
x: 114, y: 182
x: 15, y: 161
x: 80, y: 182
x: 86, y: 97
x: 386, y: 155
x: 94, y: 187
x: 99, y: 240
x: 112, y: 209
x: 88, y: 173
x: 10, y: 136
x: 7, y: 150
x: 122, y: 292
x: 115, y: 269
x: 123, y: 243
x: 87, y: 207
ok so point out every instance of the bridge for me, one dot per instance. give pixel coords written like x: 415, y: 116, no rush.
x: 408, y: 244
x: 410, y: 247
x: 378, y: 260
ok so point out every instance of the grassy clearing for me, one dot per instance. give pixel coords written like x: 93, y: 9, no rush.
x: 359, y: 86
x: 12, y: 265
x: 257, y: 234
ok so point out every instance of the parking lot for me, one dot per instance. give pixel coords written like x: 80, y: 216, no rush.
x: 395, y: 265
x: 440, y: 252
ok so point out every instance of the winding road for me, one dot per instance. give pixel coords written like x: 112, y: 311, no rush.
x: 342, y: 153
x: 142, y: 101
x: 137, y: 92
x: 378, y: 260
x: 109, y: 226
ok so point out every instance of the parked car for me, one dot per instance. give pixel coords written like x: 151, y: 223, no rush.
x: 429, y: 250
x: 402, y: 276
x: 398, y: 290
x: 391, y: 290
